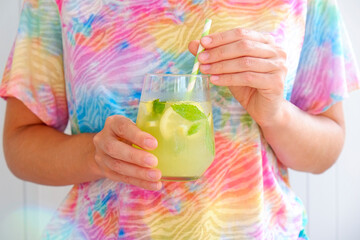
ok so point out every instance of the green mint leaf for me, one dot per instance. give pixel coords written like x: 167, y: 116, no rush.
x: 209, y: 139
x: 194, y: 128
x: 158, y: 107
x: 188, y: 111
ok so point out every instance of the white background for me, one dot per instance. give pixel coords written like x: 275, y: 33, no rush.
x: 332, y: 199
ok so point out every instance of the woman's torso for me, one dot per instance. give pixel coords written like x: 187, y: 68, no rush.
x: 109, y: 45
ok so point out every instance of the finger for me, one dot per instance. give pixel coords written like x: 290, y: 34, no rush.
x: 271, y: 38
x: 123, y: 127
x: 149, y: 185
x: 237, y: 49
x: 193, y: 47
x: 243, y: 64
x: 122, y: 151
x: 131, y: 170
x: 222, y: 38
x: 249, y: 79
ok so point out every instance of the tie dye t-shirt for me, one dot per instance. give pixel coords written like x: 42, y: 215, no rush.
x: 84, y: 60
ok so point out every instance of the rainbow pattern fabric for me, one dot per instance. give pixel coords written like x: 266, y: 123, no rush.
x: 84, y: 60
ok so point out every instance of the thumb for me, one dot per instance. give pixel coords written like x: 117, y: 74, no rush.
x: 193, y: 46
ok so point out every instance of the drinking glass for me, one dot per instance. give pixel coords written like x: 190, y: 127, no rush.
x: 176, y: 110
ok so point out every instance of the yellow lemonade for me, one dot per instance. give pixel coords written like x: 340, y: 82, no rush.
x: 184, y: 130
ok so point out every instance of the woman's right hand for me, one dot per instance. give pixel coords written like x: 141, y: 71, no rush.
x: 120, y: 161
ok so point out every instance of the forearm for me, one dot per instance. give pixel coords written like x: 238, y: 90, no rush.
x: 306, y: 142
x: 40, y: 154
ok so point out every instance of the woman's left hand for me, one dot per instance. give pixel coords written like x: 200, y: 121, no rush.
x: 251, y: 65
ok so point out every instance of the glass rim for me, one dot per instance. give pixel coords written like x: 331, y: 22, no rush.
x: 177, y: 75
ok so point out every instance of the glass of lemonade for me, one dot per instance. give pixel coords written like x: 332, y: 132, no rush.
x: 180, y: 118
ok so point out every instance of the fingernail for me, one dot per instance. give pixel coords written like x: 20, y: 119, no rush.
x: 206, y: 40
x: 154, y: 175
x: 214, y: 78
x: 150, y: 143
x: 204, y: 56
x: 205, y: 67
x: 151, y: 161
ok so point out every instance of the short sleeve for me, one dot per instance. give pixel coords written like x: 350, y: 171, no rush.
x: 34, y: 72
x: 327, y: 70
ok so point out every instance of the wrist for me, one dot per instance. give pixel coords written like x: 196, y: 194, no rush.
x: 92, y: 165
x: 279, y: 119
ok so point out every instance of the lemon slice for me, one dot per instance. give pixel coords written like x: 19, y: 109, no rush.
x: 182, y: 118
x: 146, y: 108
x: 172, y: 123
